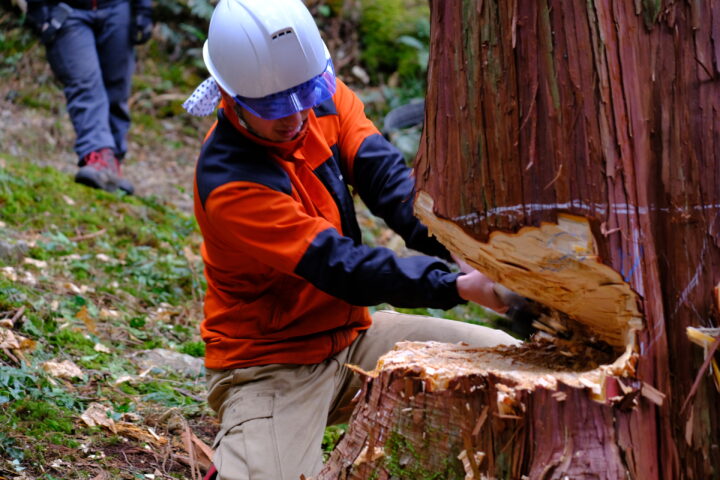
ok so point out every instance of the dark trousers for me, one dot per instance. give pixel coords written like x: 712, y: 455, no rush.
x: 93, y: 57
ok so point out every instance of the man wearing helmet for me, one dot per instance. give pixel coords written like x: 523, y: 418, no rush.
x: 288, y: 278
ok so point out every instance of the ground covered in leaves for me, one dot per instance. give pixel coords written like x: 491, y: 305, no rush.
x: 100, y: 294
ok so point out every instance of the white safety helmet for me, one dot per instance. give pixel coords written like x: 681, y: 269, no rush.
x: 268, y: 55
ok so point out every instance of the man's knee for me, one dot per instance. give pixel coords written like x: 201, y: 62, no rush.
x: 399, y: 326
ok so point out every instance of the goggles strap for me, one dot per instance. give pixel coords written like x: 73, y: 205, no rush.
x: 204, y: 99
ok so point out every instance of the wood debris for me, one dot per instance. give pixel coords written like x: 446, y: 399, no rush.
x: 366, y: 456
x: 471, y: 464
x: 706, y: 337
x: 561, y: 355
x: 97, y: 415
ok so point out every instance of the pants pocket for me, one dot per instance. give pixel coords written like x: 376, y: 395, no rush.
x: 246, y: 446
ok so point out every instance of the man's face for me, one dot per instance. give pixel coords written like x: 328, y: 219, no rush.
x: 280, y: 130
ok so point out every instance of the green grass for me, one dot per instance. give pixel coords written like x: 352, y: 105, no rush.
x: 107, y: 275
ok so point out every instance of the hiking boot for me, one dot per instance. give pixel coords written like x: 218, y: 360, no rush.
x: 101, y: 169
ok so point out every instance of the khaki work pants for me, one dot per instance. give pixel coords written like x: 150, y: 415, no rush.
x: 273, y: 416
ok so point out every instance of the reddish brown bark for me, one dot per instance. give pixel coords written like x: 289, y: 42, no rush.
x: 609, y: 110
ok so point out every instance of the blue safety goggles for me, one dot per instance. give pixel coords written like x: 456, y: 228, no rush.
x: 295, y: 99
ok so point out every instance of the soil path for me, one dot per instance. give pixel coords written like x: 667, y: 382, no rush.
x: 160, y: 164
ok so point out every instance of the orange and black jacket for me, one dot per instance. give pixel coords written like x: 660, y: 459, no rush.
x: 288, y: 277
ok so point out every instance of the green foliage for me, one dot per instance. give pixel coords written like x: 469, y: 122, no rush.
x: 196, y: 349
x: 331, y: 437
x: 27, y: 383
x: 90, y: 253
x: 139, y: 251
x: 9, y: 448
x: 395, y: 35
x: 183, y: 26
x: 14, y: 41
x: 42, y: 417
x: 74, y: 341
x: 403, y: 462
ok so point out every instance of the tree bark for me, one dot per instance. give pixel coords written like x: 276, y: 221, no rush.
x: 541, y: 113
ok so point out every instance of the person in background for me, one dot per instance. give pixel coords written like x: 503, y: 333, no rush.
x: 288, y: 277
x: 90, y: 48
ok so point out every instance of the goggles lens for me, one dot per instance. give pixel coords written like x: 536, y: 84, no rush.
x: 304, y: 96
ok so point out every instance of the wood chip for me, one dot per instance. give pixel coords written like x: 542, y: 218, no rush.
x: 652, y: 394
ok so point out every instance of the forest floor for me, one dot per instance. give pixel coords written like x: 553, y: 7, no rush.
x: 61, y: 307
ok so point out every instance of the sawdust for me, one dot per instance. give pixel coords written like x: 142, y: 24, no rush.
x: 561, y: 355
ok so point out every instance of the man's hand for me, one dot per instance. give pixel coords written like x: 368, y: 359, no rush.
x: 46, y: 21
x: 142, y: 25
x: 37, y: 16
x: 476, y: 287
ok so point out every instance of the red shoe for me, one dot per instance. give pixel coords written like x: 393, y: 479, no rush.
x: 101, y: 169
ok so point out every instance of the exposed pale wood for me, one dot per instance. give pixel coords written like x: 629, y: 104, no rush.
x: 554, y: 264
x: 527, y: 367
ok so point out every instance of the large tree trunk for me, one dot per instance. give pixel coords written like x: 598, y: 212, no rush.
x: 572, y: 152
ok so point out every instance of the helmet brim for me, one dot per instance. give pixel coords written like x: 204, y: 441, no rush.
x: 293, y: 100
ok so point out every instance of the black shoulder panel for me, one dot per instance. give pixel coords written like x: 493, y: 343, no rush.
x: 227, y: 156
x: 325, y: 108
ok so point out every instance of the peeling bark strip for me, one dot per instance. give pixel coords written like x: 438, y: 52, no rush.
x: 556, y: 264
x: 608, y: 110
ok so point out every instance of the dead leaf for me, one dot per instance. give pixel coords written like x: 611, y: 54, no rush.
x: 96, y: 415
x: 123, y: 379
x: 65, y: 369
x: 87, y: 320
x: 41, y: 264
x: 28, y: 279
x: 10, y: 273
x: 107, y: 314
x: 99, y: 347
x: 190, y: 256
x: 26, y: 344
x: 8, y: 339
x: 75, y: 289
x: 140, y: 434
